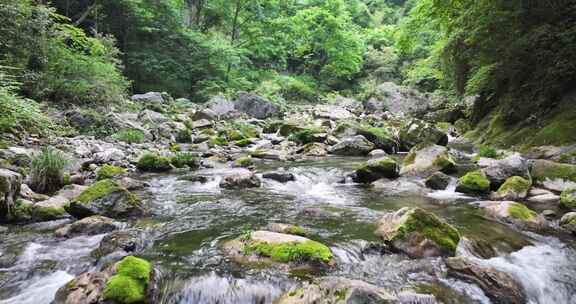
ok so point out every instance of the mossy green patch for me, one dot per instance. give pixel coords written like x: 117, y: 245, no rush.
x: 520, y: 212
x: 430, y: 226
x: 296, y: 230
x: 488, y: 152
x: 185, y: 159
x: 109, y: 171
x: 516, y: 184
x: 292, y: 252
x: 444, y: 161
x: 102, y: 189
x: 154, y: 163
x: 243, y: 142
x: 244, y: 162
x: 475, y: 181
x: 410, y: 158
x: 130, y: 282
x: 218, y: 141
x: 545, y: 169
x: 444, y: 126
x: 306, y: 135
x: 568, y: 198
x: 41, y: 213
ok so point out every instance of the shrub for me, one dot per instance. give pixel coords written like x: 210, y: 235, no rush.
x: 154, y: 163
x: 47, y: 171
x: 20, y: 113
x: 131, y: 136
x: 185, y: 159
x: 489, y: 152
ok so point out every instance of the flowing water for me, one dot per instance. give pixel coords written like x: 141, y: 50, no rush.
x: 191, y: 219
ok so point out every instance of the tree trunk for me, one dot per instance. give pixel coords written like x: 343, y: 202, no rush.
x: 233, y: 34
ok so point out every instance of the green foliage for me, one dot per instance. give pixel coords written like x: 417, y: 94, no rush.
x: 47, y: 171
x: 154, y: 163
x: 109, y: 171
x: 218, y: 141
x: 131, y: 136
x: 488, y: 152
x: 185, y: 159
x: 17, y: 113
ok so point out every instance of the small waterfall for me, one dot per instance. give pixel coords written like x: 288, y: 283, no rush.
x: 545, y: 270
x: 449, y: 193
x: 40, y: 290
x: 315, y: 185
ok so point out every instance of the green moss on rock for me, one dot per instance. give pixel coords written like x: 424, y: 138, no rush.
x: 243, y: 142
x: 376, y: 169
x: 109, y: 171
x: 545, y: 169
x: 430, y: 226
x: 307, y: 251
x: 515, y: 184
x: 520, y: 212
x: 218, y: 141
x: 306, y: 135
x: 568, y: 198
x: 244, y: 162
x: 102, y: 189
x: 296, y: 230
x: 475, y: 182
x: 130, y: 282
x: 151, y: 162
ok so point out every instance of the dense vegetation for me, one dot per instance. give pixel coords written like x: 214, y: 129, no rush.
x: 516, y: 55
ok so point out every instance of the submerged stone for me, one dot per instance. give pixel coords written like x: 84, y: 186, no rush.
x: 330, y: 290
x: 240, y: 181
x: 418, y: 233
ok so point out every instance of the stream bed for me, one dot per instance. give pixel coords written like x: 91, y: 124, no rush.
x: 191, y: 220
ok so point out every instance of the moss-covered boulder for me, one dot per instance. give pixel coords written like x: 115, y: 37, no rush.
x: 545, y: 169
x: 374, y: 169
x: 308, y: 135
x: 424, y: 160
x: 109, y: 171
x: 122, y: 243
x: 278, y: 248
x: 314, y: 149
x: 130, y: 282
x: 418, y: 233
x: 512, y: 213
x: 352, y: 146
x: 515, y: 188
x: 91, y: 225
x: 106, y: 198
x: 568, y: 222
x: 417, y: 132
x: 474, y: 182
x: 337, y: 290
x: 438, y: 181
x: 151, y: 162
x: 568, y: 198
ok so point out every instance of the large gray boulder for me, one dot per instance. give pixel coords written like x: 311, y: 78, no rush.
x: 10, y: 182
x: 396, y: 99
x: 416, y: 132
x: 149, y: 116
x: 498, y: 171
x: 423, y: 161
x: 220, y: 106
x: 122, y: 242
x: 240, y: 180
x: 353, y: 146
x: 255, y: 105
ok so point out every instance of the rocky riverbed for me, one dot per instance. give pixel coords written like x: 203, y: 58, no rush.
x: 239, y: 202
